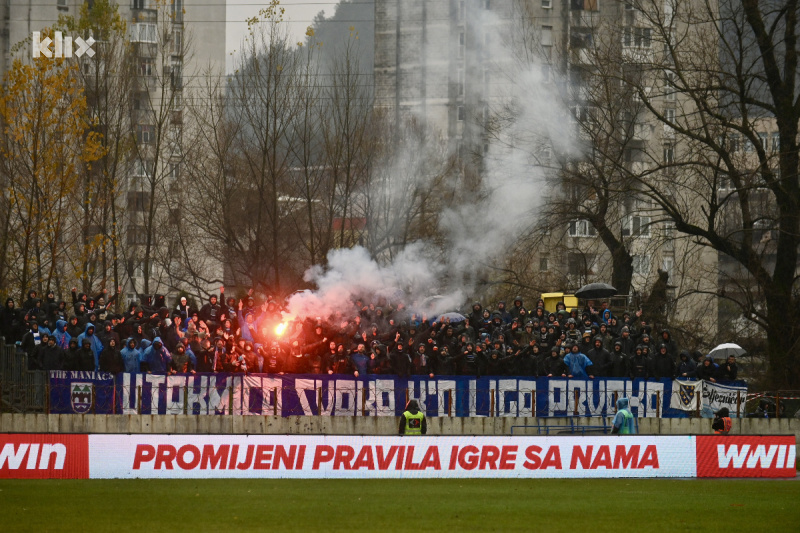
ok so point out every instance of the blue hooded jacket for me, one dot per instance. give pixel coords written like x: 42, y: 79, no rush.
x: 144, y: 344
x: 624, y: 418
x: 577, y: 364
x: 61, y: 335
x: 157, y: 357
x: 97, y: 345
x: 131, y: 357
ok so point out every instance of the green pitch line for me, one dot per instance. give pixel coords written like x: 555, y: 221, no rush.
x: 644, y: 506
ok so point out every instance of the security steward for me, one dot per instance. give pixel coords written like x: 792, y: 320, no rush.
x: 722, y: 422
x: 413, y: 420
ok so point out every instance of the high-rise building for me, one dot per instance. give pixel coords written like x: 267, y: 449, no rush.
x: 450, y: 64
x: 174, y: 44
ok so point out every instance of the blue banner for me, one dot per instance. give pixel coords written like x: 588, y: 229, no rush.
x: 375, y: 395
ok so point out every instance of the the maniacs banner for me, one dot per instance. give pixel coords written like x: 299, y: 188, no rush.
x: 708, y: 397
x: 340, y: 395
x: 282, y: 456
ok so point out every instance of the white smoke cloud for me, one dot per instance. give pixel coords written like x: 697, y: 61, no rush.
x: 477, y: 232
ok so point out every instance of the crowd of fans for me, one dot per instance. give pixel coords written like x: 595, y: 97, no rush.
x: 367, y: 338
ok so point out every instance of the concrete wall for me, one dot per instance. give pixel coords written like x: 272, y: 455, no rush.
x: 341, y: 425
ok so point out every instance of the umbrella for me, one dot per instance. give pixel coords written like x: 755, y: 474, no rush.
x: 723, y: 351
x: 451, y: 317
x: 595, y: 290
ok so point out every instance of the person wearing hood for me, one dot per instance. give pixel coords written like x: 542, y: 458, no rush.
x: 707, y: 371
x: 601, y: 358
x: 686, y: 368
x: 84, y: 358
x: 180, y: 362
x: 578, y: 364
x: 52, y: 356
x: 111, y: 358
x: 505, y: 316
x: 619, y: 362
x: 211, y: 313
x: 662, y: 363
x: 32, y: 339
x: 30, y: 303
x: 624, y: 423
x: 61, y: 335
x: 722, y: 422
x: 669, y: 342
x: 157, y: 357
x: 108, y: 333
x: 96, y: 344
x: 516, y: 306
x: 10, y: 322
x: 639, y: 365
x: 131, y: 356
x: 413, y: 422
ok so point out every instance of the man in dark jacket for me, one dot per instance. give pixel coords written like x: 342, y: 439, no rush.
x: 638, y: 365
x: 662, y: 363
x: 601, y: 359
x: 729, y: 370
x: 10, y: 322
x: 553, y: 365
x: 707, y: 371
x: 686, y: 368
x: 52, y: 357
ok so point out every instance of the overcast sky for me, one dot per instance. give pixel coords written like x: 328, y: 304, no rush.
x: 299, y: 13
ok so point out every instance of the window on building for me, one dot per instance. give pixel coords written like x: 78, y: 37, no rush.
x: 177, y: 42
x: 137, y: 235
x: 462, y: 114
x: 764, y: 140
x: 547, y: 4
x: 177, y: 10
x: 669, y: 86
x: 543, y: 266
x: 462, y: 10
x: 585, y: 5
x: 734, y: 142
x: 145, y: 134
x: 146, y: 67
x: 142, y: 168
x: 579, y: 264
x: 668, y: 265
x: 143, y: 32
x: 641, y: 264
x: 547, y: 36
x: 461, y: 82
x: 462, y: 42
x: 669, y: 154
x: 581, y: 228
x: 636, y: 226
x: 634, y: 37
x: 776, y: 142
x: 138, y: 201
x: 62, y: 5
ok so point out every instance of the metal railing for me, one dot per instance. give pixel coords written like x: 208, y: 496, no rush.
x: 21, y: 390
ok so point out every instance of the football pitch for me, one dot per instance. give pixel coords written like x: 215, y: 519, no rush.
x: 400, y: 505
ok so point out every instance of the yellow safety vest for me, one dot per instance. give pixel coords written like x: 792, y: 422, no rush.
x: 413, y: 422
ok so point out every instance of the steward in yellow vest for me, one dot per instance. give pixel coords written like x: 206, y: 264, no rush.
x: 413, y: 420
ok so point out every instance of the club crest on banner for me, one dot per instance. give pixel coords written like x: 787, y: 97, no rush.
x: 81, y: 397
x: 687, y: 394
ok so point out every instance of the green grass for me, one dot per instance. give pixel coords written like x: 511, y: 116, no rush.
x: 449, y: 505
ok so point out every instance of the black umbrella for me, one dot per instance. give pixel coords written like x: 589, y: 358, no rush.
x: 595, y: 290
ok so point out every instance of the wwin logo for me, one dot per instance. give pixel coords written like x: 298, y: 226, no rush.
x: 63, y: 46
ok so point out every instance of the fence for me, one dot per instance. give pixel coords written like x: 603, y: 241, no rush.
x: 780, y: 404
x: 21, y: 390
